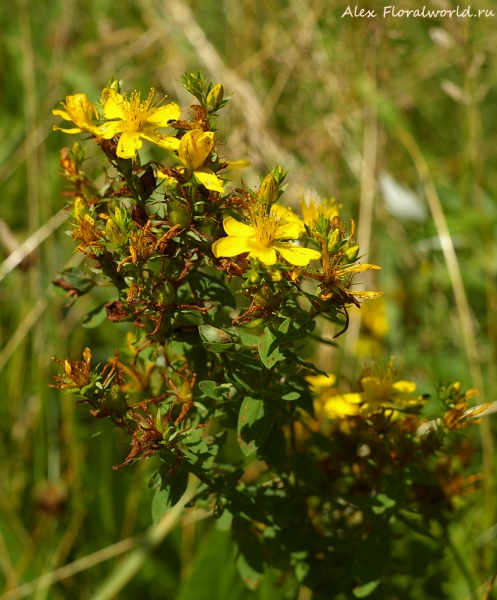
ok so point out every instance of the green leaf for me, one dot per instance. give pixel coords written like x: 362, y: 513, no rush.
x: 291, y: 396
x: 211, y: 288
x: 169, y: 490
x: 224, y: 391
x: 292, y: 357
x: 268, y: 349
x: 386, y: 503
x: 249, y: 340
x: 73, y: 280
x: 255, y: 420
x: 296, y: 327
x: 95, y: 317
x: 251, y: 577
x: 365, y: 590
x: 372, y: 557
x: 214, y: 335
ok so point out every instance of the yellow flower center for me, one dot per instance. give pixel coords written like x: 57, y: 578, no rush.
x: 264, y: 225
x: 137, y: 112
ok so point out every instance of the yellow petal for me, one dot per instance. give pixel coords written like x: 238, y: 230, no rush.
x: 113, y: 103
x: 404, y: 387
x: 208, y: 179
x: 288, y: 231
x: 320, y: 382
x: 75, y: 130
x: 160, y: 117
x: 109, y: 130
x: 195, y: 147
x: 296, y: 255
x: 164, y: 141
x: 265, y: 254
x: 61, y: 113
x: 234, y: 227
x: 233, y: 165
x: 366, y: 295
x: 231, y: 246
x: 358, y: 269
x: 80, y: 109
x: 129, y: 143
x: 342, y: 405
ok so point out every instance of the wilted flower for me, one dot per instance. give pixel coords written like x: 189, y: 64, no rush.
x: 80, y: 111
x: 77, y: 373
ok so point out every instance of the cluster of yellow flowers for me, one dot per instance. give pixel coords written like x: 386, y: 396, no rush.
x: 380, y: 389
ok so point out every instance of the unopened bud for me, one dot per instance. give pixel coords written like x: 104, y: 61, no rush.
x: 351, y: 253
x: 263, y: 296
x: 79, y: 207
x: 115, y: 234
x: 115, y: 86
x: 268, y: 191
x: 185, y: 393
x: 117, y: 400
x: 178, y: 214
x: 254, y: 277
x: 208, y: 228
x: 275, y: 275
x: 77, y: 150
x: 166, y: 294
x: 195, y: 147
x: 215, y: 97
x: 334, y: 241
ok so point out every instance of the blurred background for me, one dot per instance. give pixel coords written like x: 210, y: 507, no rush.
x: 393, y: 117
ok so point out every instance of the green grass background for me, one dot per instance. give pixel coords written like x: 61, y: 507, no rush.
x: 341, y: 101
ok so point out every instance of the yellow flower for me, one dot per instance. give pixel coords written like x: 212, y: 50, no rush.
x: 135, y: 119
x: 334, y: 406
x: 262, y: 238
x: 194, y: 148
x: 312, y: 207
x: 338, y: 406
x: 80, y: 111
x: 319, y: 383
x: 379, y: 389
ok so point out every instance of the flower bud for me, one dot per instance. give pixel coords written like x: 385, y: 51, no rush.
x: 178, y: 214
x: 215, y: 97
x: 263, y: 296
x: 195, y: 147
x: 351, y: 253
x: 334, y: 241
x: 268, y: 191
x: 115, y: 86
x: 115, y: 234
x: 206, y: 227
x: 185, y: 393
x: 79, y: 207
x: 117, y: 400
x: 254, y: 277
x: 275, y: 274
x: 166, y: 294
